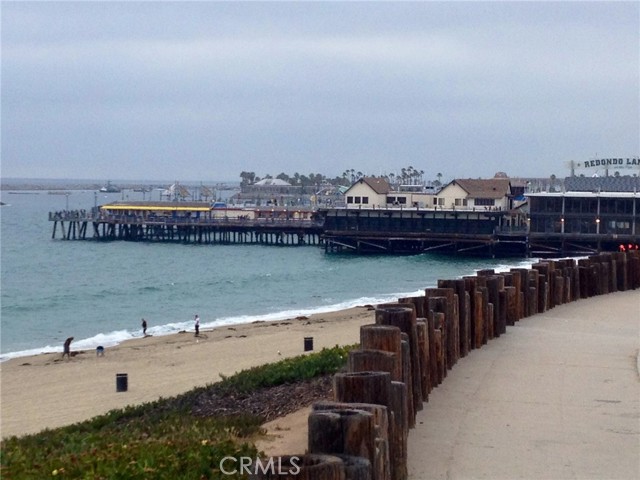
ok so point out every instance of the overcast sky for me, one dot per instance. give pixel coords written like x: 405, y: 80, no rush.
x: 203, y: 91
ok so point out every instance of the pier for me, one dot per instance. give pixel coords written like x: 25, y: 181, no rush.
x: 548, y: 230
x: 188, y: 223
x: 420, y: 230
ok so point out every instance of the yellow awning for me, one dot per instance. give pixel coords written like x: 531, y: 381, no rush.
x: 158, y: 208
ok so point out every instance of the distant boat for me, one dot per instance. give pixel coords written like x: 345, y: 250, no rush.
x: 108, y: 188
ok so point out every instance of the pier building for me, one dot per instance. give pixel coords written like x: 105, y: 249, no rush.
x: 591, y: 215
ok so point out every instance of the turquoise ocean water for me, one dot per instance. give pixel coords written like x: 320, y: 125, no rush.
x: 99, y: 292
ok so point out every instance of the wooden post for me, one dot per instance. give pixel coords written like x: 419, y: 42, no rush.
x: 407, y: 379
x: 450, y: 333
x: 433, y: 363
x: 459, y: 287
x: 511, y: 310
x: 520, y: 281
x: 349, y: 432
x: 368, y: 387
x: 399, y: 405
x: 302, y: 467
x: 440, y: 305
x: 356, y: 468
x: 386, y: 338
x: 478, y: 314
x: 423, y: 349
x: 405, y: 319
x: 533, y: 282
x: 470, y: 288
x: 363, y: 387
x: 374, y: 361
x: 417, y: 302
x: 495, y: 284
x: 440, y: 355
x: 383, y: 426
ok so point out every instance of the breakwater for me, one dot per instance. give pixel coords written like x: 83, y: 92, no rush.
x: 363, y: 433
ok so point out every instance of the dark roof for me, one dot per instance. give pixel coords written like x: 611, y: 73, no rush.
x: 485, y: 188
x: 377, y: 184
x: 602, y: 184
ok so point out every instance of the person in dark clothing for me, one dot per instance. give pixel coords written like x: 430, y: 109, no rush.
x: 67, y: 347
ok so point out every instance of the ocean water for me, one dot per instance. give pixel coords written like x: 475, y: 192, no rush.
x: 99, y: 292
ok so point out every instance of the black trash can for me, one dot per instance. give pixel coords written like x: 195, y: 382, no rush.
x: 122, y: 382
x: 308, y: 344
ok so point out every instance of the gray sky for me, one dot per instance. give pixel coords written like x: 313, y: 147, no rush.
x: 203, y: 91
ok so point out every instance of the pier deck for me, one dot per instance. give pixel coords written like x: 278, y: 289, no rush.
x: 187, y: 230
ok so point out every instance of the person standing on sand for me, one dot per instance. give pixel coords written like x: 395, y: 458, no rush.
x: 67, y: 347
x: 144, y: 327
x: 197, y: 325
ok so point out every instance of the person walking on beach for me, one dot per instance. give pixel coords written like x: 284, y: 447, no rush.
x: 197, y: 325
x: 67, y: 347
x: 144, y: 327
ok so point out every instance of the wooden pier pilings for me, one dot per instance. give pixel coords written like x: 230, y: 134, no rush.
x: 189, y: 231
x: 407, y: 352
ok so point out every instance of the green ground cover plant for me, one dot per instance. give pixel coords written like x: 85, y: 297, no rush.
x: 161, y: 439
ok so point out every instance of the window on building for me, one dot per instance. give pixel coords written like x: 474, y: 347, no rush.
x: 485, y: 202
x: 365, y: 200
x: 357, y: 200
x: 349, y: 199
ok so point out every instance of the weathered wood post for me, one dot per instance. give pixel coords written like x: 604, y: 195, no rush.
x: 470, y: 288
x: 441, y: 361
x: 342, y: 431
x: 511, y: 311
x: 533, y: 282
x: 302, y: 467
x: 382, y: 419
x: 520, y: 281
x: 433, y: 359
x: 440, y: 305
x: 479, y: 316
x: 585, y: 278
x: 544, y: 276
x: 459, y: 288
x: 407, y: 379
x: 634, y: 269
x: 373, y: 361
x: 386, y: 338
x: 370, y: 387
x: 405, y: 319
x: 423, y: 350
x: 450, y: 332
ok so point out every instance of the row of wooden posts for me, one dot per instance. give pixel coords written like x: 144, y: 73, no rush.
x: 362, y: 434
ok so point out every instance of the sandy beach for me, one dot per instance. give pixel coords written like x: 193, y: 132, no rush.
x: 557, y: 396
x: 45, y: 391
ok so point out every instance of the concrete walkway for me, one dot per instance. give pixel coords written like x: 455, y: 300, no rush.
x: 557, y: 397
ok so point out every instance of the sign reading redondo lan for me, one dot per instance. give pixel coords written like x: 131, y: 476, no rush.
x: 629, y: 162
